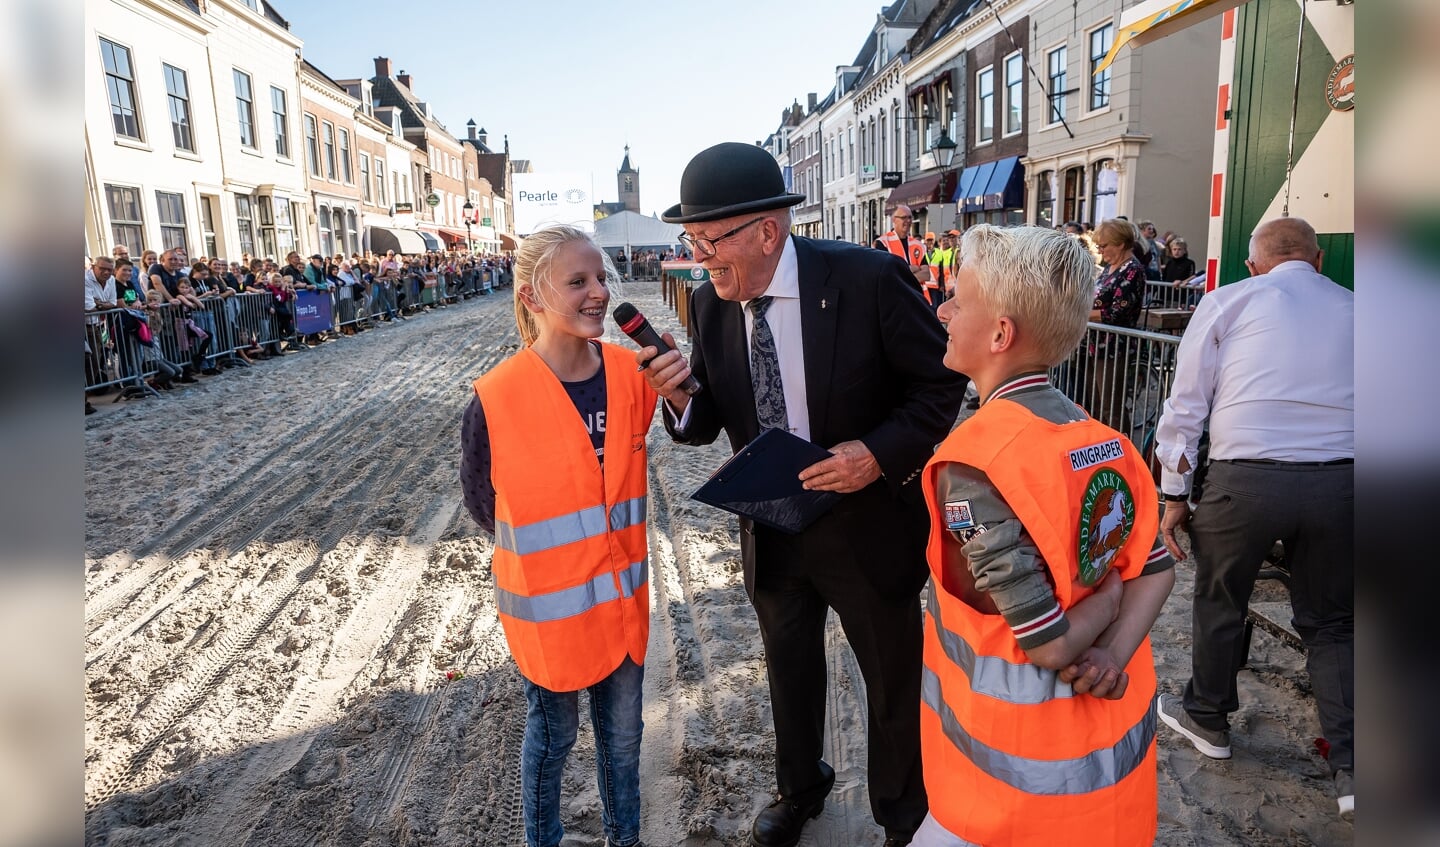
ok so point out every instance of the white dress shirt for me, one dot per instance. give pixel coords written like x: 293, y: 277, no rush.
x: 95, y: 292
x: 783, y: 316
x: 1271, y: 363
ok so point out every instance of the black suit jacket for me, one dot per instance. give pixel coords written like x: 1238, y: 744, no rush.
x: 873, y: 373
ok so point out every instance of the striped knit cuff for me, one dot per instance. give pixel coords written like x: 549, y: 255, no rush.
x: 1036, y: 624
x: 1158, y: 561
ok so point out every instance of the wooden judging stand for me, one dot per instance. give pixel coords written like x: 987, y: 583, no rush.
x: 1167, y: 320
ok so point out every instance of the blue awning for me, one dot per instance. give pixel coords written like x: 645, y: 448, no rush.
x: 1006, y: 189
x: 974, y: 199
x: 962, y: 188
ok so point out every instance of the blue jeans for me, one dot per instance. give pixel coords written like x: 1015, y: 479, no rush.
x: 550, y: 727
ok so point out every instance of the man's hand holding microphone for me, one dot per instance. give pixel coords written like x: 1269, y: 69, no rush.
x: 665, y: 369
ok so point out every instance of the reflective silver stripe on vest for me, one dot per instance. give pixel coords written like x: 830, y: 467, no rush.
x: 569, y: 602
x: 567, y: 529
x: 1023, y: 685
x: 1102, y: 768
x: 627, y: 513
x: 633, y: 579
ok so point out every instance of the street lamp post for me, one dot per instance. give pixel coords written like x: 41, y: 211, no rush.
x: 468, y: 210
x: 944, y: 151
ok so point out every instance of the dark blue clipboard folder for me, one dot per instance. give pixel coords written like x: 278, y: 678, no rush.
x: 761, y: 482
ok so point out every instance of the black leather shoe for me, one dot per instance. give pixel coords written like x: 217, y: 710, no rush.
x: 780, y: 823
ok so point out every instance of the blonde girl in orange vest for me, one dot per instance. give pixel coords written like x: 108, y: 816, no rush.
x: 1047, y: 572
x: 553, y: 463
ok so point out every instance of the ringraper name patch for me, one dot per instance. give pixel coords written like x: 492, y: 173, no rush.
x: 1089, y: 457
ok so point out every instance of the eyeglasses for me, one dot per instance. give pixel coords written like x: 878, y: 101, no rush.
x: 707, y: 245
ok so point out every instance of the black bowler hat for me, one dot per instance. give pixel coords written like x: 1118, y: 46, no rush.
x: 726, y: 180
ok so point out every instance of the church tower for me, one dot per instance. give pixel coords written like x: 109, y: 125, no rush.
x: 627, y: 181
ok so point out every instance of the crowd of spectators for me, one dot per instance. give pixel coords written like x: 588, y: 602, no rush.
x: 167, y: 319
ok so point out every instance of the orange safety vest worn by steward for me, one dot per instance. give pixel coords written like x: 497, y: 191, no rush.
x: 570, y: 565
x: 916, y: 248
x: 1012, y: 756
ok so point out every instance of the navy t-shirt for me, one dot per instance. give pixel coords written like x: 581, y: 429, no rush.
x: 476, y: 486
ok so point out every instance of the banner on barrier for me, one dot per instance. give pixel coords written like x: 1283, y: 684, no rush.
x: 314, y: 312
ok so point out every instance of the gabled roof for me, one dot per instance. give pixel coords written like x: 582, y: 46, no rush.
x: 412, y: 115
x: 491, y: 166
x: 323, y: 77
x: 274, y: 16
x: 942, y: 19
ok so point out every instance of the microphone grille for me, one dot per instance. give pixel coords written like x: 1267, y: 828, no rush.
x: 624, y: 313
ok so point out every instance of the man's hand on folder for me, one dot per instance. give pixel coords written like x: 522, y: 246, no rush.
x: 665, y: 372
x: 851, y: 468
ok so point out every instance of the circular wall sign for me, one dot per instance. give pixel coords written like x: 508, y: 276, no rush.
x: 433, y: 200
x: 1340, y: 85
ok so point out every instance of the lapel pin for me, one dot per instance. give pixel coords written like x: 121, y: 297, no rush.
x: 822, y: 303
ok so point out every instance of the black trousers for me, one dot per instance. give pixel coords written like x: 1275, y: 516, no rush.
x: 797, y: 580
x: 1244, y: 509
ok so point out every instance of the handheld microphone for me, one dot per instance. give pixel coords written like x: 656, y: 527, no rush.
x: 633, y: 324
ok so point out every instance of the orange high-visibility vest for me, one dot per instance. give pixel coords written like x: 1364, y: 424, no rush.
x: 1012, y: 756
x: 916, y: 254
x: 570, y: 564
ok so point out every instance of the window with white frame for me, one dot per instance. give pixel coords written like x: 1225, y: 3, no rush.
x: 120, y: 85
x: 284, y: 226
x: 177, y: 91
x: 367, y: 191
x: 380, y: 182
x: 1056, y: 69
x: 207, y: 225
x: 884, y: 161
x: 327, y: 242
x: 312, y: 145
x: 345, y: 157
x: 245, y: 109
x: 1100, y: 41
x: 352, y: 231
x: 280, y: 112
x: 327, y: 138
x: 127, y: 222
x: 171, y: 214
x: 1014, y: 93
x: 267, y: 226
x: 245, y: 223
x: 1105, y: 182
x: 1045, y: 199
x: 985, y: 105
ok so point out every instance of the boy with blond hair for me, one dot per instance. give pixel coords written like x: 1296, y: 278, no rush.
x: 1046, y: 574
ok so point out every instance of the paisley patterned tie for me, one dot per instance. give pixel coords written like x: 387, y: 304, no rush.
x: 765, y: 371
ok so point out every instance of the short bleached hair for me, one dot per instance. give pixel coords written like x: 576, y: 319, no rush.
x: 1040, y: 278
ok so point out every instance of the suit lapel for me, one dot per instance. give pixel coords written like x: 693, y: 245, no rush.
x: 819, y: 312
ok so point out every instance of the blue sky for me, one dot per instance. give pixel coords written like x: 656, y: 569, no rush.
x: 572, y: 83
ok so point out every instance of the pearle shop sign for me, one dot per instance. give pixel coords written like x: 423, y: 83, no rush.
x: 545, y: 199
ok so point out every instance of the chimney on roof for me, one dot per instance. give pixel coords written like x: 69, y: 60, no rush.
x: 483, y: 134
x: 382, y: 67
x: 404, y: 79
x: 470, y: 126
x: 810, y: 102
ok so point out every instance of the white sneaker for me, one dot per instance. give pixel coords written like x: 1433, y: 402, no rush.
x: 1212, y: 743
x: 1345, y: 794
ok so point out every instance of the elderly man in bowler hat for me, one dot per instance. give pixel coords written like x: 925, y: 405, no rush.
x: 829, y: 341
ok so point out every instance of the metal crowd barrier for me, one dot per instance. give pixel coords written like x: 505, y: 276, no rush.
x: 1121, y: 377
x: 1168, y: 295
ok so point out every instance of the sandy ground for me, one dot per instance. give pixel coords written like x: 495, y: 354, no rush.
x: 280, y: 574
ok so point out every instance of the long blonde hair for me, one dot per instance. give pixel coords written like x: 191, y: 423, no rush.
x: 532, y: 268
